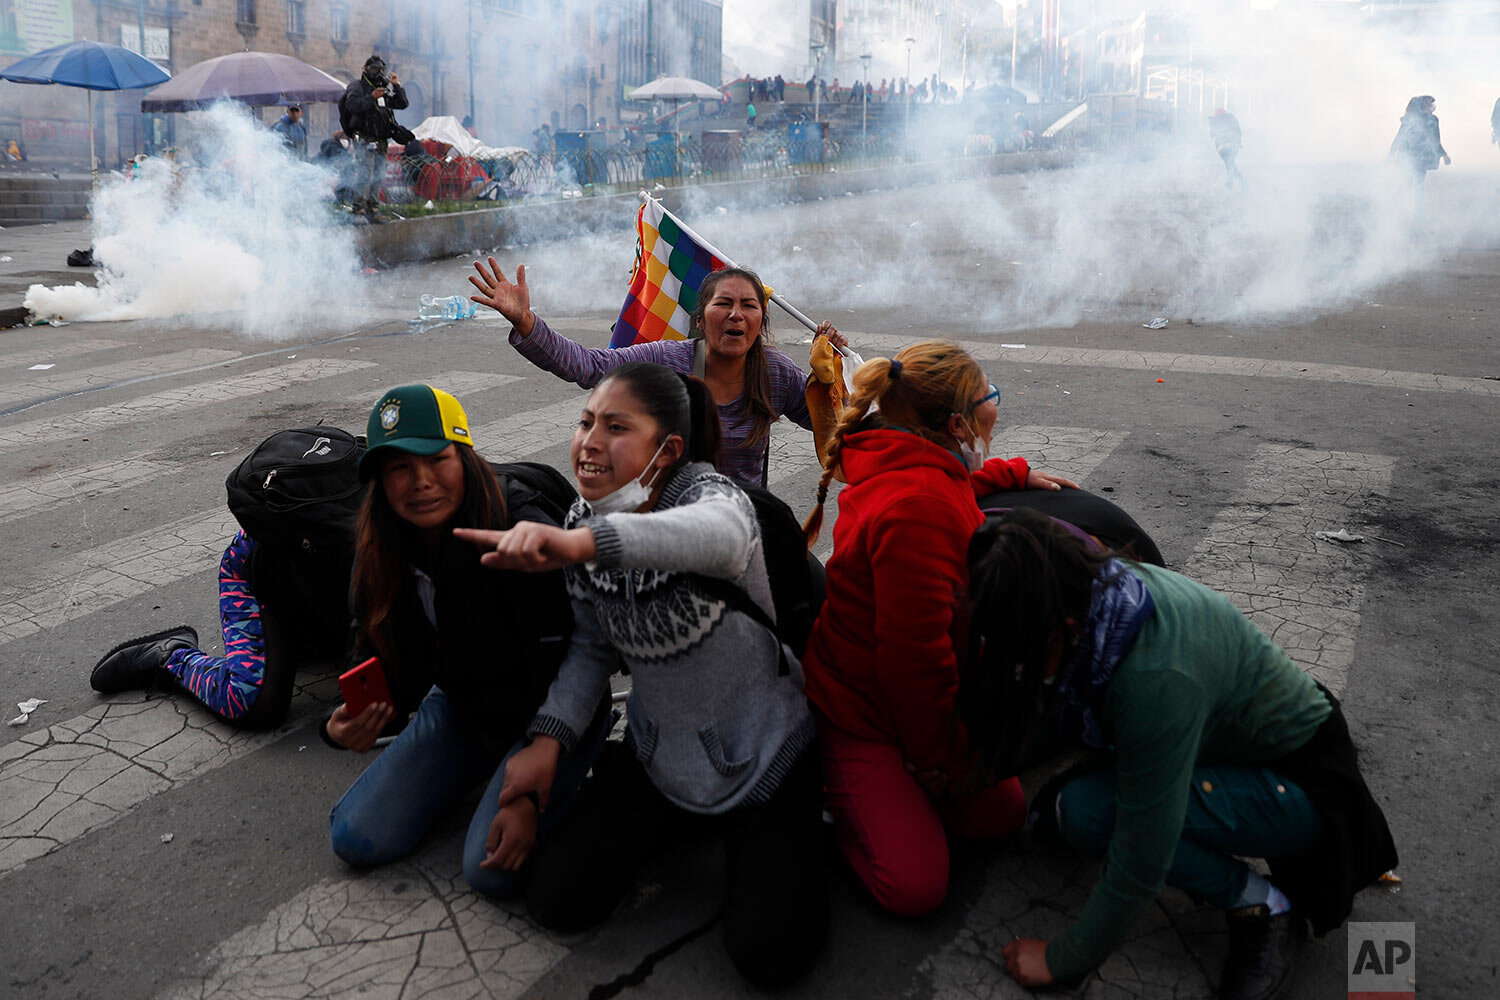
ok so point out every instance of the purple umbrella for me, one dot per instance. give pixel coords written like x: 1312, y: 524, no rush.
x: 253, y: 78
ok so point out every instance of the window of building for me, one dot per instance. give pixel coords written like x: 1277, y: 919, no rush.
x: 245, y: 11
x: 414, y: 29
x: 339, y: 23
x: 296, y: 17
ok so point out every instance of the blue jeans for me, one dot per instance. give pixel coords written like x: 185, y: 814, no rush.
x: 1251, y: 812
x: 431, y: 767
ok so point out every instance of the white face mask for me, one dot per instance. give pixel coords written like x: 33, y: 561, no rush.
x: 974, y: 458
x: 629, y: 497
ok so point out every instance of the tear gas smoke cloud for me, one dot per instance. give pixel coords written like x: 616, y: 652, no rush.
x: 236, y: 233
x: 1131, y: 236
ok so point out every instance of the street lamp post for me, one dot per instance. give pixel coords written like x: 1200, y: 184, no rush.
x: 1015, y: 25
x: 963, y: 63
x: 942, y: 19
x: 910, y: 41
x: 817, y: 49
x: 470, y: 5
x: 864, y: 109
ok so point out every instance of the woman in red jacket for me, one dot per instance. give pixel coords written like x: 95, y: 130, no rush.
x: 882, y: 663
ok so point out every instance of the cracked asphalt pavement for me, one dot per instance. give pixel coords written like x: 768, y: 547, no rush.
x: 149, y: 851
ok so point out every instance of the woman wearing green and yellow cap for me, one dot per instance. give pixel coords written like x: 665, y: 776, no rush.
x: 471, y: 650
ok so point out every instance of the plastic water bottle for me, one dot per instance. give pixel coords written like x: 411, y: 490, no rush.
x: 447, y: 308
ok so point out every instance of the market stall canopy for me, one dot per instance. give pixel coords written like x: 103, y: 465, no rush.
x: 253, y: 78
x: 676, y: 88
x: 449, y: 131
x: 91, y: 66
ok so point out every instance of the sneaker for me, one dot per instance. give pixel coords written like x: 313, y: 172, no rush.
x: 1262, y: 953
x: 139, y: 663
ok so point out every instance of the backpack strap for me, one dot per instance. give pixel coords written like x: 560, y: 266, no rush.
x: 735, y: 599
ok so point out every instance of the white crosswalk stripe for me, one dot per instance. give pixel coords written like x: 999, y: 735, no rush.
x: 1071, y: 452
x: 59, y: 783
x: 173, y: 401
x: 1197, y: 364
x: 43, y: 385
x: 522, y: 434
x: 33, y: 495
x: 30, y: 351
x: 372, y: 932
x: 81, y: 584
x: 26, y: 498
x: 107, y: 574
x: 401, y: 935
x: 420, y: 931
x: 1263, y: 553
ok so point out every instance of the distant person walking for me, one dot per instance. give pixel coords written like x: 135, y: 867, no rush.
x: 750, y: 117
x: 1224, y: 129
x: 293, y: 131
x: 1418, y: 146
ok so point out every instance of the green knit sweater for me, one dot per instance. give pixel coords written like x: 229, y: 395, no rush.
x: 1200, y: 685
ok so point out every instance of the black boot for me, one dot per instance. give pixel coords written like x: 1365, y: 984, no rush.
x: 1262, y: 952
x: 139, y: 663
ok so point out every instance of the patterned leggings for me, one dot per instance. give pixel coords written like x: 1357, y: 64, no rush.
x: 251, y: 684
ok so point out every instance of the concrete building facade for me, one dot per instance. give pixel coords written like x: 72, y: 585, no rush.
x: 565, y: 63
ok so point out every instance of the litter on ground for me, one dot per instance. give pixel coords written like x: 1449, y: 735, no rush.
x: 27, y: 707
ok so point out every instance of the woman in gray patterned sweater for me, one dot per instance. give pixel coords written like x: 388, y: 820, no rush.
x: 719, y: 734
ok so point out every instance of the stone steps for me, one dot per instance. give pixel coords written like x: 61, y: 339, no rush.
x: 27, y: 199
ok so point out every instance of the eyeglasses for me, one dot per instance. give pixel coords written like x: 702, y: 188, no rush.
x: 992, y: 394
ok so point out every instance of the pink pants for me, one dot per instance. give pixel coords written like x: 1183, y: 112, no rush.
x: 896, y: 836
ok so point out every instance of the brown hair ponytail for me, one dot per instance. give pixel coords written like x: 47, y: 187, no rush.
x: 917, y: 391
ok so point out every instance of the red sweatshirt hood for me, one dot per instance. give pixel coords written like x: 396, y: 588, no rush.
x: 869, y: 453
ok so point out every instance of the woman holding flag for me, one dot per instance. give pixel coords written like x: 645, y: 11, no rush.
x: 693, y: 310
x: 751, y: 382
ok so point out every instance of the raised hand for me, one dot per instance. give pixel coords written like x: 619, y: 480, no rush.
x: 513, y: 301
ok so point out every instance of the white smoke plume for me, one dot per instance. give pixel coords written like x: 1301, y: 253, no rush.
x: 1149, y: 231
x: 235, y: 233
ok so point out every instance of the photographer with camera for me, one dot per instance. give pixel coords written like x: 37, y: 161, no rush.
x: 367, y: 114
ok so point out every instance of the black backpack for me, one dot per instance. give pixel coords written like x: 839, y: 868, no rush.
x: 541, y: 486
x: 300, y: 487
x: 346, y: 118
x: 789, y: 569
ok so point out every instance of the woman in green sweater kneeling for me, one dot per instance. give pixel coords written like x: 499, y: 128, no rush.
x: 1214, y: 747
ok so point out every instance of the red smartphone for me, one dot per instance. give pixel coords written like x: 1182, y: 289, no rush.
x: 364, y: 686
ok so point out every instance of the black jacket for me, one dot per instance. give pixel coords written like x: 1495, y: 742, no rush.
x: 307, y: 592
x: 1354, y: 846
x: 500, y: 636
x: 363, y: 117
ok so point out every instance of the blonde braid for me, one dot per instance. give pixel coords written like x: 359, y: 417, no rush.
x: 852, y: 415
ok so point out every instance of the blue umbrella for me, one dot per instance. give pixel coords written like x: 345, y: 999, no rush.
x: 92, y: 66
